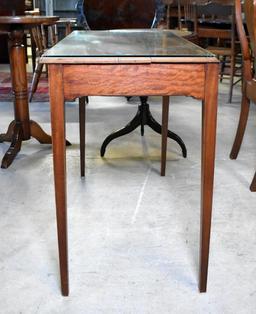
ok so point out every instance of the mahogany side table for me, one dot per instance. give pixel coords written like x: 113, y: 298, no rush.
x: 132, y: 62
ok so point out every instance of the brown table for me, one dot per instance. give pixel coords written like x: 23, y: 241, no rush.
x: 137, y: 62
x: 21, y: 128
x: 68, y: 23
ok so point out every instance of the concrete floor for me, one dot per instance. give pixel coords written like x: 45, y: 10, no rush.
x: 133, y: 235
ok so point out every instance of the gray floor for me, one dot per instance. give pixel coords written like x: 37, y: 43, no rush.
x: 133, y: 235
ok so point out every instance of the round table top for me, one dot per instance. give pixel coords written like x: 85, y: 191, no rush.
x: 27, y: 20
x: 67, y: 20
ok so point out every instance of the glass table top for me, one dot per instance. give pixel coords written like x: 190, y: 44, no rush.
x: 125, y: 43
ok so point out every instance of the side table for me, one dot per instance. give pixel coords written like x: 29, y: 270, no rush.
x: 21, y: 128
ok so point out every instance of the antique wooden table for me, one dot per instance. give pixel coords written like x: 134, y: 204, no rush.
x: 21, y: 128
x: 131, y: 62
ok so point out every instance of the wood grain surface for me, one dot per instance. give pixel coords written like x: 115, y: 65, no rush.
x: 134, y: 79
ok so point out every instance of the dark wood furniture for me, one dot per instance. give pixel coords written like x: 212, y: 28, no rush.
x: 21, y: 128
x: 139, y: 62
x: 133, y: 14
x: 30, y: 41
x: 182, y: 9
x: 43, y: 37
x: 118, y: 14
x: 14, y: 7
x: 214, y: 25
x: 249, y: 79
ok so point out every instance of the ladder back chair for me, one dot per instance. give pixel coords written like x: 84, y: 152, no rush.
x: 214, y: 25
x: 211, y: 24
x: 249, y: 79
x: 43, y: 37
x: 182, y: 9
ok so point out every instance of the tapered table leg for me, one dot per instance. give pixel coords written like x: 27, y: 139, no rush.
x: 209, y: 117
x: 253, y: 184
x: 165, y: 118
x: 59, y: 162
x: 82, y: 112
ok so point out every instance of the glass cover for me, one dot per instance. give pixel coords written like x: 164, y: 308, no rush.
x: 126, y: 43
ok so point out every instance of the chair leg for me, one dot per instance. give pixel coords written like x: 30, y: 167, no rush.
x: 33, y: 50
x: 165, y: 118
x: 223, y: 65
x: 253, y: 184
x: 231, y: 80
x: 82, y: 117
x: 245, y: 105
x: 35, y: 80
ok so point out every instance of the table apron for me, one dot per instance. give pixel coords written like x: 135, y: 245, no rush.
x: 134, y: 79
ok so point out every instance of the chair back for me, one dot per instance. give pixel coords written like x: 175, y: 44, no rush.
x: 215, y: 16
x: 44, y: 37
x: 185, y: 11
x: 118, y: 14
x: 250, y: 16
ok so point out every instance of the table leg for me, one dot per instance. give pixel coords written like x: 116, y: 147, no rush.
x: 17, y: 56
x: 15, y: 146
x: 35, y: 131
x: 82, y: 117
x: 7, y: 137
x: 59, y: 162
x: 143, y: 117
x: 68, y: 29
x: 22, y: 128
x: 14, y: 135
x: 209, y: 117
x: 253, y: 184
x: 165, y: 118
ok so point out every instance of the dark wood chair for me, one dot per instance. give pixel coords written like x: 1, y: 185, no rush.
x: 43, y: 37
x: 181, y: 11
x: 211, y: 25
x: 184, y: 12
x: 214, y: 25
x: 249, y: 79
x: 123, y: 14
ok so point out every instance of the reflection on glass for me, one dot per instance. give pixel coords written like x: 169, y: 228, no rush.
x: 125, y: 43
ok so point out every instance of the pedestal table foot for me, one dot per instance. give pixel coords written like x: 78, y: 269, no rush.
x: 40, y: 135
x: 15, y: 146
x: 7, y: 137
x: 136, y: 121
